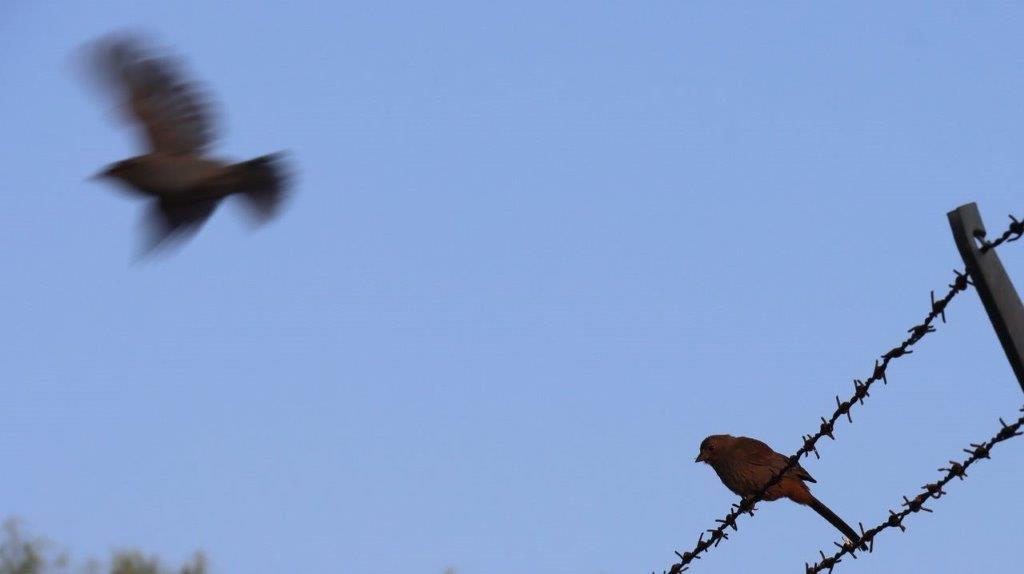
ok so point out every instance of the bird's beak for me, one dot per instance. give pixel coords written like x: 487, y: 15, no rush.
x: 700, y: 458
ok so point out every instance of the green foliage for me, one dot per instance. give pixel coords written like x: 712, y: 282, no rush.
x: 133, y: 562
x: 20, y: 554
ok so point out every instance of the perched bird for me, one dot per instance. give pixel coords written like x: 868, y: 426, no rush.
x: 745, y: 465
x: 184, y: 184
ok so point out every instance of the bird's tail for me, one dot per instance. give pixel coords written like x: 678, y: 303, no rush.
x: 834, y: 520
x: 262, y: 183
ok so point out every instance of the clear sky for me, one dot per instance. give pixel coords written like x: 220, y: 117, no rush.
x: 537, y: 251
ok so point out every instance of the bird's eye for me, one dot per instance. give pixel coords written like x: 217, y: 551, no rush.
x: 710, y: 448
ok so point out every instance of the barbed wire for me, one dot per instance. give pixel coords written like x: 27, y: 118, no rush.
x: 861, y: 391
x: 1013, y: 233
x: 933, y: 490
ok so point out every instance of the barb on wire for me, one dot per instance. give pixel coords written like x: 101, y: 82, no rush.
x: 933, y: 490
x: 860, y: 392
x: 1013, y: 233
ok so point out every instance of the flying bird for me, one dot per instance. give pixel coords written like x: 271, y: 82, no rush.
x: 745, y: 465
x: 176, y: 173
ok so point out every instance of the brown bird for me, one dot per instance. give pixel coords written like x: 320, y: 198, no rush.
x: 745, y: 465
x: 183, y: 182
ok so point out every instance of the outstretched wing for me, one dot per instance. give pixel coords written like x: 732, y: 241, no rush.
x: 172, y: 111
x: 169, y: 222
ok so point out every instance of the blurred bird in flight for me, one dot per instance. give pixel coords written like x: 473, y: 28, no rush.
x: 184, y: 183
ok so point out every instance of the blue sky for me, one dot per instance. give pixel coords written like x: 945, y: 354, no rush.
x: 537, y: 251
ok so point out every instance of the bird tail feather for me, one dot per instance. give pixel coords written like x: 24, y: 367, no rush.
x: 834, y: 520
x: 262, y: 183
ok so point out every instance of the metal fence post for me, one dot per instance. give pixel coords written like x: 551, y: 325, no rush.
x: 1001, y: 301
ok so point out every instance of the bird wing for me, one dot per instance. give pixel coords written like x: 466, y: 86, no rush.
x: 172, y: 221
x: 760, y: 454
x: 171, y: 110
